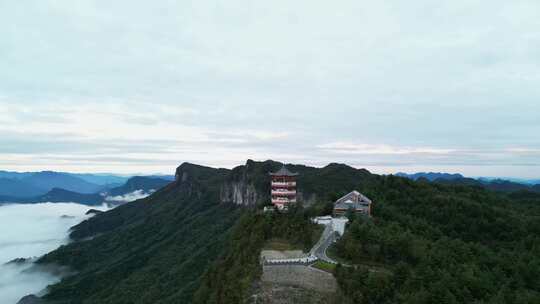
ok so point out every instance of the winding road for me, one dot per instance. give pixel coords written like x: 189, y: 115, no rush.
x: 318, y: 252
x: 327, y: 238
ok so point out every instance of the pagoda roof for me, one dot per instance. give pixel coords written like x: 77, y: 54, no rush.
x: 283, y: 172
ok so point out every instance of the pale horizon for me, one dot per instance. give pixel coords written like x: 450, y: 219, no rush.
x: 490, y: 172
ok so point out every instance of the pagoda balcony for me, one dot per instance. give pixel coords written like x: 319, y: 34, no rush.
x: 283, y: 184
x: 283, y: 192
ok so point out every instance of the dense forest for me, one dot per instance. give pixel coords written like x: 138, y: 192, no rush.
x: 230, y: 278
x: 443, y: 244
x: 150, y: 251
x: 426, y: 242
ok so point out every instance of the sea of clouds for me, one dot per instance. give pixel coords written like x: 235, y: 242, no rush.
x: 29, y: 231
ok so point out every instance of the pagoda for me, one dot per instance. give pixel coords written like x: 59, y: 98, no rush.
x: 283, y: 188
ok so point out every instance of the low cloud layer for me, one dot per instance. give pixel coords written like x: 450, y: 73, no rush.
x: 29, y: 231
x: 129, y: 197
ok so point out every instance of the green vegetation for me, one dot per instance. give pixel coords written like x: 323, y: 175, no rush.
x: 150, y: 251
x: 280, y: 245
x: 427, y: 242
x: 444, y: 244
x: 230, y: 278
x: 322, y: 265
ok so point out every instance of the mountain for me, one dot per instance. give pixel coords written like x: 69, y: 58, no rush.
x: 11, y: 191
x: 4, y: 199
x: 464, y: 181
x: 102, y: 179
x: 167, y: 241
x: 512, y: 179
x: 499, y: 185
x: 431, y: 176
x: 143, y: 183
x: 57, y: 195
x: 507, y: 186
x: 494, y: 185
x: 14, y: 175
x: 164, y: 243
x: 197, y: 240
x: 48, y: 180
x: 17, y: 188
x: 163, y: 176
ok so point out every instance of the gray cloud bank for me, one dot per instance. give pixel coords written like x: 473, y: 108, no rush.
x: 142, y: 86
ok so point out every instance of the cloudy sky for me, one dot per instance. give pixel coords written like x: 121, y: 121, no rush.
x: 141, y: 86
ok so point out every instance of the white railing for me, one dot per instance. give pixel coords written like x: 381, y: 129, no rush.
x: 305, y: 260
x: 283, y: 192
x: 281, y: 200
x: 284, y: 184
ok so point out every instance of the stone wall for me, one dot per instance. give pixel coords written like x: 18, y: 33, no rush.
x: 301, y: 276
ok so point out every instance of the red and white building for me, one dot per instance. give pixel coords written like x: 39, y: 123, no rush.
x: 283, y: 188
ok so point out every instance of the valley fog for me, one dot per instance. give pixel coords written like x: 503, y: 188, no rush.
x: 29, y: 231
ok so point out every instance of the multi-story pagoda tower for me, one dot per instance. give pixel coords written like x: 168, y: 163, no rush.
x: 283, y: 188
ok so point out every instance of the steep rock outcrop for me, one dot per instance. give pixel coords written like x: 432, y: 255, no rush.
x: 240, y: 193
x: 248, y: 185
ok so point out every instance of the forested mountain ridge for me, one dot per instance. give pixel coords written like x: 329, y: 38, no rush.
x: 173, y: 235
x: 149, y: 251
x: 442, y: 243
x: 135, y: 183
x: 497, y: 184
x: 431, y: 243
x: 431, y: 176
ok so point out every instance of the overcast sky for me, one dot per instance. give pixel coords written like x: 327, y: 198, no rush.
x: 141, y: 86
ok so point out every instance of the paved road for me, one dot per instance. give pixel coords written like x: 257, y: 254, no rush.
x: 327, y: 238
x: 317, y: 252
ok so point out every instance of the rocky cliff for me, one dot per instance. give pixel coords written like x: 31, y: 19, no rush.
x: 249, y: 184
x: 240, y: 193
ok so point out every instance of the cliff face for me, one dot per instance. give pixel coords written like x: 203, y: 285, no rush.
x: 240, y: 193
x: 249, y: 185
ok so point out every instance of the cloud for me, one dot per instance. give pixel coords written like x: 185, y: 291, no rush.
x: 30, y: 231
x: 129, y: 197
x: 352, y: 148
x: 216, y: 84
x: 16, y: 282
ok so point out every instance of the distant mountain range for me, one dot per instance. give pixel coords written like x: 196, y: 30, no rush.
x: 431, y: 176
x: 17, y: 188
x: 58, y: 195
x: 31, y: 184
x: 495, y: 184
x: 89, y: 189
x: 144, y: 183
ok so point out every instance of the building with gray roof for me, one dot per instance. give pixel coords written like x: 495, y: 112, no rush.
x: 354, y: 201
